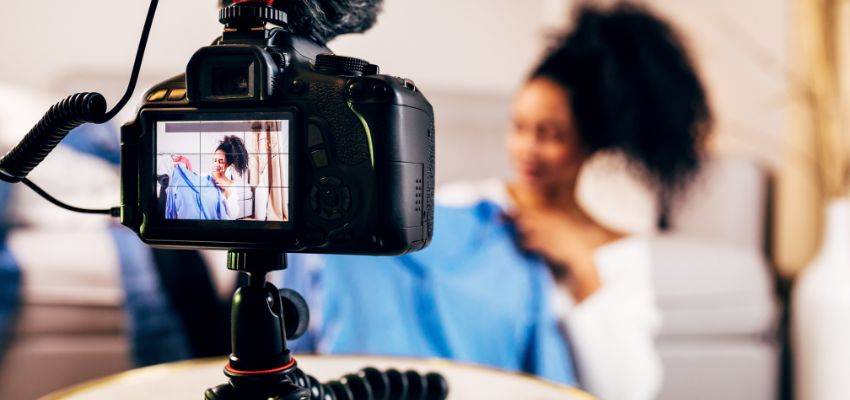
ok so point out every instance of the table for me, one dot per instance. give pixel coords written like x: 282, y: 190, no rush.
x: 189, y: 379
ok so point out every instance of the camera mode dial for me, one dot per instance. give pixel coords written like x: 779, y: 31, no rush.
x: 340, y: 65
x: 251, y: 12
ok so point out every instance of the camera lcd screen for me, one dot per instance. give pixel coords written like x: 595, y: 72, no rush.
x: 223, y: 170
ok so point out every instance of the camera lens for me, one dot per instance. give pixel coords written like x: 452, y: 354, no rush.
x: 231, y: 82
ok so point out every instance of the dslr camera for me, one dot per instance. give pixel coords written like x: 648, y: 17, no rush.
x: 269, y: 144
x: 271, y: 141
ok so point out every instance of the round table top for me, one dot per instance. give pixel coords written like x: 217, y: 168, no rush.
x: 189, y: 379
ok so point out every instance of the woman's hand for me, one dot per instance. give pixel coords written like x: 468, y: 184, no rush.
x: 567, y: 242
x: 222, y: 182
x: 180, y: 159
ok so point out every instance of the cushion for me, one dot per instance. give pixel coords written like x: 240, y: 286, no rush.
x: 709, y: 287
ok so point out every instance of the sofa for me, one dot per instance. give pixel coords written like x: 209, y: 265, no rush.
x: 720, y: 337
x: 70, y: 325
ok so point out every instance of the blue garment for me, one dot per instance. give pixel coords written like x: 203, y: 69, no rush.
x: 98, y: 140
x: 156, y: 333
x: 191, y: 196
x: 470, y: 296
x: 10, y: 275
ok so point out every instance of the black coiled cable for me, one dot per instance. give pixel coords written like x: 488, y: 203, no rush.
x: 63, y: 117
x: 60, y: 119
x: 373, y: 384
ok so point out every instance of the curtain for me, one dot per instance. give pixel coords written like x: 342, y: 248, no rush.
x: 815, y: 164
x: 266, y: 169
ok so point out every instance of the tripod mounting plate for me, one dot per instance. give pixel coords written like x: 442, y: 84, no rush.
x: 252, y: 261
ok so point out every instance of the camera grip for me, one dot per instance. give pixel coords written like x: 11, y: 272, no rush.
x: 60, y: 119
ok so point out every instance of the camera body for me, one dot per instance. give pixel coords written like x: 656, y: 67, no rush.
x: 340, y: 159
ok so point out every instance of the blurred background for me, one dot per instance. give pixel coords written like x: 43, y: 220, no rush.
x: 724, y: 275
x: 469, y: 57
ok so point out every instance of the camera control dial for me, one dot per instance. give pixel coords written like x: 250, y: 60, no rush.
x: 331, y: 198
x: 340, y: 65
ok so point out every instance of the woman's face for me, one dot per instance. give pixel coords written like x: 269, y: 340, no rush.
x: 219, y: 162
x: 543, y: 143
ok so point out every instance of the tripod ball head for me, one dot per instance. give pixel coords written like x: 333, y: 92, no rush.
x: 296, y: 314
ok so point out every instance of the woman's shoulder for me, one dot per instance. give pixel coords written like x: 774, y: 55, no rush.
x: 470, y: 193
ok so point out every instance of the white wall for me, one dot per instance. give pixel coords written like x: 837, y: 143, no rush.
x: 468, y: 57
x: 743, y: 50
x: 468, y: 45
x: 51, y: 39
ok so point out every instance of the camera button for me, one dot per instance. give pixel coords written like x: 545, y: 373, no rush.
x: 345, y: 201
x: 409, y: 85
x: 314, y: 198
x: 330, y: 214
x: 314, y: 135
x: 330, y: 180
x: 320, y: 158
x: 381, y: 92
x: 297, y: 86
x: 371, y: 69
x: 329, y: 199
x: 177, y: 94
x: 356, y: 90
x: 157, y: 95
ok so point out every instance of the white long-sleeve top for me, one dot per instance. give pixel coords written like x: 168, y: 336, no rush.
x: 236, y: 193
x: 612, y: 332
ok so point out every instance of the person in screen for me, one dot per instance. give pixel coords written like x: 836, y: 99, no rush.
x: 518, y: 275
x: 212, y: 196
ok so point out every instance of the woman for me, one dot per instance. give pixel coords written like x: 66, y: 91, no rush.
x: 208, y: 197
x: 229, y: 163
x: 619, y: 82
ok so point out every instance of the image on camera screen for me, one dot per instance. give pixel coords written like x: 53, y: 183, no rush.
x: 223, y: 170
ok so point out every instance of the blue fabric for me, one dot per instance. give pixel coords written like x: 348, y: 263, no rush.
x: 191, y: 196
x: 470, y: 296
x: 99, y: 140
x: 10, y: 275
x: 156, y: 332
x: 5, y: 194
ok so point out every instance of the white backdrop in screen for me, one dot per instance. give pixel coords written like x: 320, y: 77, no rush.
x: 174, y: 144
x: 177, y: 143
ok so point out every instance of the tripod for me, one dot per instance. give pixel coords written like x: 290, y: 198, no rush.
x: 260, y: 365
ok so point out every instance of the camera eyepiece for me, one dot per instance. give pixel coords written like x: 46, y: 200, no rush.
x: 231, y: 82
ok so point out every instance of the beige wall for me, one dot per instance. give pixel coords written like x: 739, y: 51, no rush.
x: 468, y: 56
x: 476, y: 47
x: 469, y: 46
x: 741, y: 47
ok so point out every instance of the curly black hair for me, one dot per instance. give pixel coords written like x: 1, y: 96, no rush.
x: 235, y: 153
x: 634, y: 90
x: 323, y: 20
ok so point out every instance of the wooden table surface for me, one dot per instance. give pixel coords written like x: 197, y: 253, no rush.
x: 189, y: 379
